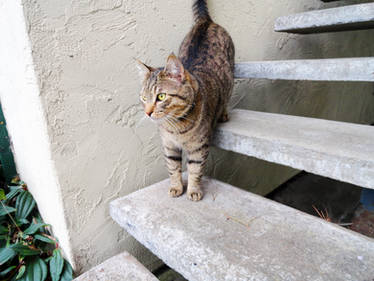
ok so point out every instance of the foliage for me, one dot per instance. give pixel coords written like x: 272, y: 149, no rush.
x: 27, y: 251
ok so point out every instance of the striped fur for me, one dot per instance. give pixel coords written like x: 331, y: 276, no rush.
x: 198, y: 84
x: 200, y: 10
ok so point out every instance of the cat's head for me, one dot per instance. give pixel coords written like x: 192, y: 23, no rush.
x: 169, y: 93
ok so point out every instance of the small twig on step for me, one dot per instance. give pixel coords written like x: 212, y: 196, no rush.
x: 240, y: 221
x: 324, y: 216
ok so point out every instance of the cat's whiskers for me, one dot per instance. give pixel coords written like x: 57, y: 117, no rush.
x: 175, y: 125
x: 169, y: 121
x: 185, y: 118
x: 173, y: 118
x: 176, y: 121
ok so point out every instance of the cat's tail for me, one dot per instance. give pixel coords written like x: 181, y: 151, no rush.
x: 200, y: 10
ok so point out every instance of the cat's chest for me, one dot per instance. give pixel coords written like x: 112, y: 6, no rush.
x: 188, y: 141
x: 174, y: 137
x: 180, y: 140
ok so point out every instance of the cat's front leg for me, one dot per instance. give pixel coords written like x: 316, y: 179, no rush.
x: 173, y: 157
x: 197, y: 158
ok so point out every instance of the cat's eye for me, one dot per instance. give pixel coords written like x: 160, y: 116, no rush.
x: 143, y: 98
x: 161, y: 96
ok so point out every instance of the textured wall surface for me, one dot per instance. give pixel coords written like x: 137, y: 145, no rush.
x: 26, y: 123
x: 101, y: 144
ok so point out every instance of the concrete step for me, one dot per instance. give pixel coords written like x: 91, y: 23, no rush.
x: 338, y: 150
x: 353, y: 17
x: 347, y: 69
x: 235, y: 235
x: 119, y: 268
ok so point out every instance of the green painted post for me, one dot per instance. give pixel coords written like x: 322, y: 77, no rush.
x: 8, y: 168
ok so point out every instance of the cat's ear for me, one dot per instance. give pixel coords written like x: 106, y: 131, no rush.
x: 143, y: 69
x: 174, y: 68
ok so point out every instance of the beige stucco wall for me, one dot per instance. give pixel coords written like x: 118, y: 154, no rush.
x: 101, y: 145
x: 27, y: 126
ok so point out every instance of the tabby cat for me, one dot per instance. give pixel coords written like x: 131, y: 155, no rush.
x: 189, y: 96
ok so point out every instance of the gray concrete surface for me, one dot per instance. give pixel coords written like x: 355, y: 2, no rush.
x: 122, y: 267
x: 353, y: 17
x: 236, y: 235
x: 347, y: 69
x: 338, y: 150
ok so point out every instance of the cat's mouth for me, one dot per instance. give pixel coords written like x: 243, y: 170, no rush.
x: 156, y: 119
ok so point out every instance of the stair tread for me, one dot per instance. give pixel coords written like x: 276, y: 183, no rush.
x: 345, y: 69
x: 235, y: 235
x: 121, y: 267
x: 352, y: 17
x: 338, y: 150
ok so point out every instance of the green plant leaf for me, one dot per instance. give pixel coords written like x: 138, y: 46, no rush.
x: 36, y: 270
x: 3, y: 237
x: 6, y: 254
x: 24, y: 205
x: 67, y: 273
x: 2, y: 194
x: 22, y: 221
x: 34, y: 228
x: 3, y: 241
x: 38, y: 218
x: 13, y: 192
x: 21, y: 271
x: 15, y: 180
x: 4, y: 210
x: 56, y: 265
x: 44, y: 239
x: 24, y: 250
x: 3, y: 229
x: 6, y: 271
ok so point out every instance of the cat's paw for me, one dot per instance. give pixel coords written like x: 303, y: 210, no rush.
x: 195, y: 195
x: 175, y: 191
x: 224, y: 117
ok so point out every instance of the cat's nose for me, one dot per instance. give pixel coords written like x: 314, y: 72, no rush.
x: 149, y: 109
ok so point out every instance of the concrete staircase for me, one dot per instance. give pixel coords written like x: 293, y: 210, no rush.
x: 346, y: 69
x: 346, y: 18
x: 119, y: 268
x: 235, y: 235
x: 338, y: 150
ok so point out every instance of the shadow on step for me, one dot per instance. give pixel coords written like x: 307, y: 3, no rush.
x: 165, y: 273
x: 338, y: 202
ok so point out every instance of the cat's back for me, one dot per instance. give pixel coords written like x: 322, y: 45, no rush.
x: 208, y: 48
x: 207, y: 52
